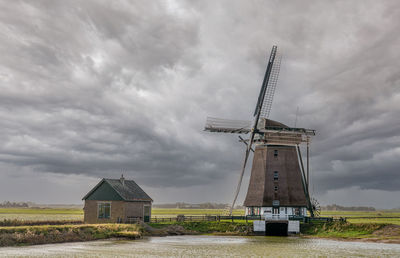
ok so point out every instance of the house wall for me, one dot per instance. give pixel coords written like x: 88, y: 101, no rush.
x: 135, y: 209
x: 120, y: 210
x: 91, y: 216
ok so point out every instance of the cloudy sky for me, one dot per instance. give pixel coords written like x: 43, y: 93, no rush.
x: 91, y: 89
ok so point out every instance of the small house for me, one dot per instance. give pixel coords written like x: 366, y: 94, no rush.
x: 117, y: 201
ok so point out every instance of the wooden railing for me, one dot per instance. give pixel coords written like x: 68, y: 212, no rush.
x: 133, y: 220
x: 184, y: 218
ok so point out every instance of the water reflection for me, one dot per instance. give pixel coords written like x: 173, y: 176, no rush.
x: 206, y: 246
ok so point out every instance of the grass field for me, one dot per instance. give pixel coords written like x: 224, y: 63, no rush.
x: 360, y: 214
x: 40, y: 214
x: 77, y: 214
x: 366, y: 216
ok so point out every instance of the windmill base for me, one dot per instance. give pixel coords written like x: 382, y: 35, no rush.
x: 276, y: 227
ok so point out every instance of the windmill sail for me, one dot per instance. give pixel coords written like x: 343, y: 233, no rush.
x: 265, y: 83
x: 257, y: 114
x: 270, y: 91
x: 227, y: 125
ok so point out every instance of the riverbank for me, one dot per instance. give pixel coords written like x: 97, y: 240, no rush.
x: 369, y: 232
x: 47, y: 234
x: 202, y: 227
x: 364, y: 232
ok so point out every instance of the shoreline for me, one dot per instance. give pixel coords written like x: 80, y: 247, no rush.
x: 362, y: 240
x: 51, y: 234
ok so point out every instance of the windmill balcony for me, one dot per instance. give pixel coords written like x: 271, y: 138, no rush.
x: 269, y: 216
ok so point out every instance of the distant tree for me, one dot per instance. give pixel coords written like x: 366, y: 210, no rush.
x: 8, y: 204
x: 335, y: 207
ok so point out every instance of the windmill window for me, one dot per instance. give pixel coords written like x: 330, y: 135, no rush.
x: 275, y: 153
x: 276, y: 188
x: 275, y: 175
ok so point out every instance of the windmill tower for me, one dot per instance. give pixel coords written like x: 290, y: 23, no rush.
x: 278, y: 182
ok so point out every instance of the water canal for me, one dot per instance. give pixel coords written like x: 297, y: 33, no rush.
x: 208, y: 246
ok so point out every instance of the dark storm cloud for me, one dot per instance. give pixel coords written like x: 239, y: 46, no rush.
x: 98, y: 87
x: 89, y: 92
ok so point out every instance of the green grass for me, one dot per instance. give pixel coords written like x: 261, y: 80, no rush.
x: 368, y: 217
x: 360, y: 214
x: 28, y: 214
x: 207, y: 227
x: 375, y: 221
x: 341, y: 229
x: 40, y: 211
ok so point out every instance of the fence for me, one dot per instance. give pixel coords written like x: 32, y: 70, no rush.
x: 182, y: 218
x: 323, y: 219
x: 133, y: 220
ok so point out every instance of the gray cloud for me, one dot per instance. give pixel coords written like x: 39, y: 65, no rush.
x: 93, y: 88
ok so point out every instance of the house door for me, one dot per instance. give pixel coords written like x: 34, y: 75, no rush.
x: 275, y: 211
x: 146, y: 213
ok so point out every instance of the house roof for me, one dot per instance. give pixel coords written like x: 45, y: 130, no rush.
x: 129, y: 191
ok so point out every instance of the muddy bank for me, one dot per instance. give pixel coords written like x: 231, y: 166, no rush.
x: 169, y: 230
x: 379, y: 233
x: 335, y: 231
x: 48, y: 234
x: 204, y: 227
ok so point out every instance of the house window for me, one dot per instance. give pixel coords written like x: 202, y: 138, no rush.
x: 276, y: 188
x: 275, y: 175
x: 104, y: 210
x: 275, y: 153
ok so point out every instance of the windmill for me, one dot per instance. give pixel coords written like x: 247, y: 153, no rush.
x: 278, y: 182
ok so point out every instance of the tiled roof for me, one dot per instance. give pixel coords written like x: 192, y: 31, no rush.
x: 130, y: 191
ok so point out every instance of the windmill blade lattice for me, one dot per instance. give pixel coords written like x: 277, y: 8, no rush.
x: 270, y: 91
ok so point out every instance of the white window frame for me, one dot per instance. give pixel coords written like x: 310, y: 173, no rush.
x: 98, y: 205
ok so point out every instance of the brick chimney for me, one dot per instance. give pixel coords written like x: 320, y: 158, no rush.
x: 122, y: 179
